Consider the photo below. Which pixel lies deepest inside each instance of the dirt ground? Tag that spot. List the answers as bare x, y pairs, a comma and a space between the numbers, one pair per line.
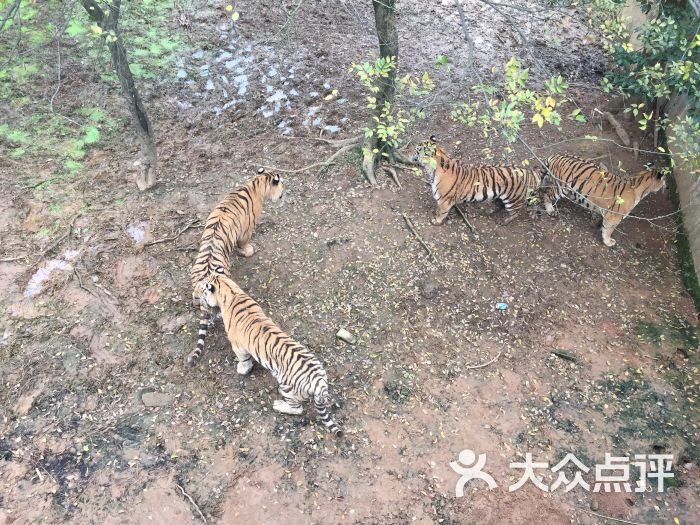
103, 423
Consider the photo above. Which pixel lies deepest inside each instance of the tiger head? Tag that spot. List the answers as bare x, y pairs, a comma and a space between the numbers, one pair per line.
426, 151
274, 185
209, 288
653, 179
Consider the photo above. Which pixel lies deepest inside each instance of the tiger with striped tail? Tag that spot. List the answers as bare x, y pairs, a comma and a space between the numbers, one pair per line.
586, 183
453, 182
229, 227
255, 337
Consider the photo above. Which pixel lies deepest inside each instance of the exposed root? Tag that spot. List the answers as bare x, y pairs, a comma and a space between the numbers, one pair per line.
392, 171
329, 161
192, 224
352, 141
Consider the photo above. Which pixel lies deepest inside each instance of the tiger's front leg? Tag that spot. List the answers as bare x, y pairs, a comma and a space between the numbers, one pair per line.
443, 209
291, 404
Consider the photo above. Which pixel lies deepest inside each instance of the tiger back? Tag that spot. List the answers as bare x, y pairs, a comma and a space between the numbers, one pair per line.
229, 226
254, 336
585, 183
454, 182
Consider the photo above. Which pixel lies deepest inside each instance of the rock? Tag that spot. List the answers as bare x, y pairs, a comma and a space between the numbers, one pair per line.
346, 336
156, 399
594, 505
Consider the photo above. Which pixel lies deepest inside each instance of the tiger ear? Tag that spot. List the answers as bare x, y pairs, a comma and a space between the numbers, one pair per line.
261, 170
219, 270
276, 179
433, 138
210, 288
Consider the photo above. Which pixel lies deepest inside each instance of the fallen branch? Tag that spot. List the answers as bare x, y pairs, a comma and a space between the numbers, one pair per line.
611, 518
176, 236
472, 367
420, 239
624, 137
322, 164
464, 218
193, 502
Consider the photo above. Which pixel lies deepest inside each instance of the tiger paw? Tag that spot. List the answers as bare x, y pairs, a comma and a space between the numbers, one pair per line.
550, 209
609, 242
436, 222
246, 251
244, 367
283, 407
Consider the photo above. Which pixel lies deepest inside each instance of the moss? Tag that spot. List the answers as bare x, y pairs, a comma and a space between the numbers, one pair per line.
685, 257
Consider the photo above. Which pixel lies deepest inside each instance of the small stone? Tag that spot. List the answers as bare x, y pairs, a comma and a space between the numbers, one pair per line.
594, 505
156, 399
346, 336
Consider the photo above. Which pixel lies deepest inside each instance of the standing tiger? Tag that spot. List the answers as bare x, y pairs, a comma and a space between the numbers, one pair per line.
254, 336
229, 226
454, 182
611, 195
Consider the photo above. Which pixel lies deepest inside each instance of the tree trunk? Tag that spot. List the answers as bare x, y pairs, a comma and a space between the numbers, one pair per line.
109, 23
385, 21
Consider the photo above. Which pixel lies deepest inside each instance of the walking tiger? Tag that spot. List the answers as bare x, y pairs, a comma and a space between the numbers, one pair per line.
254, 336
229, 226
611, 195
454, 182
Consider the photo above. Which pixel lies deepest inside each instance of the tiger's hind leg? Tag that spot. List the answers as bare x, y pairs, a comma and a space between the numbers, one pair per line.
550, 197
245, 361
513, 208
205, 320
245, 248
610, 222
291, 404
321, 403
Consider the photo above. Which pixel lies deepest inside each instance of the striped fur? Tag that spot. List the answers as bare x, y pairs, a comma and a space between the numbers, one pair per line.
254, 336
229, 226
585, 183
454, 182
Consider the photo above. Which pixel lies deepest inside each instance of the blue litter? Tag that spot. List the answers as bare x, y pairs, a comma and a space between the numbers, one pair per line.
501, 306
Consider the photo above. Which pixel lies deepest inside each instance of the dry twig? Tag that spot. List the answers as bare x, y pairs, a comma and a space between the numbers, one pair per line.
611, 518
487, 363
420, 239
464, 218
192, 501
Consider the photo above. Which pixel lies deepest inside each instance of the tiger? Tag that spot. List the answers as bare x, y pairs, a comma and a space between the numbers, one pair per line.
255, 337
230, 225
586, 183
453, 182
